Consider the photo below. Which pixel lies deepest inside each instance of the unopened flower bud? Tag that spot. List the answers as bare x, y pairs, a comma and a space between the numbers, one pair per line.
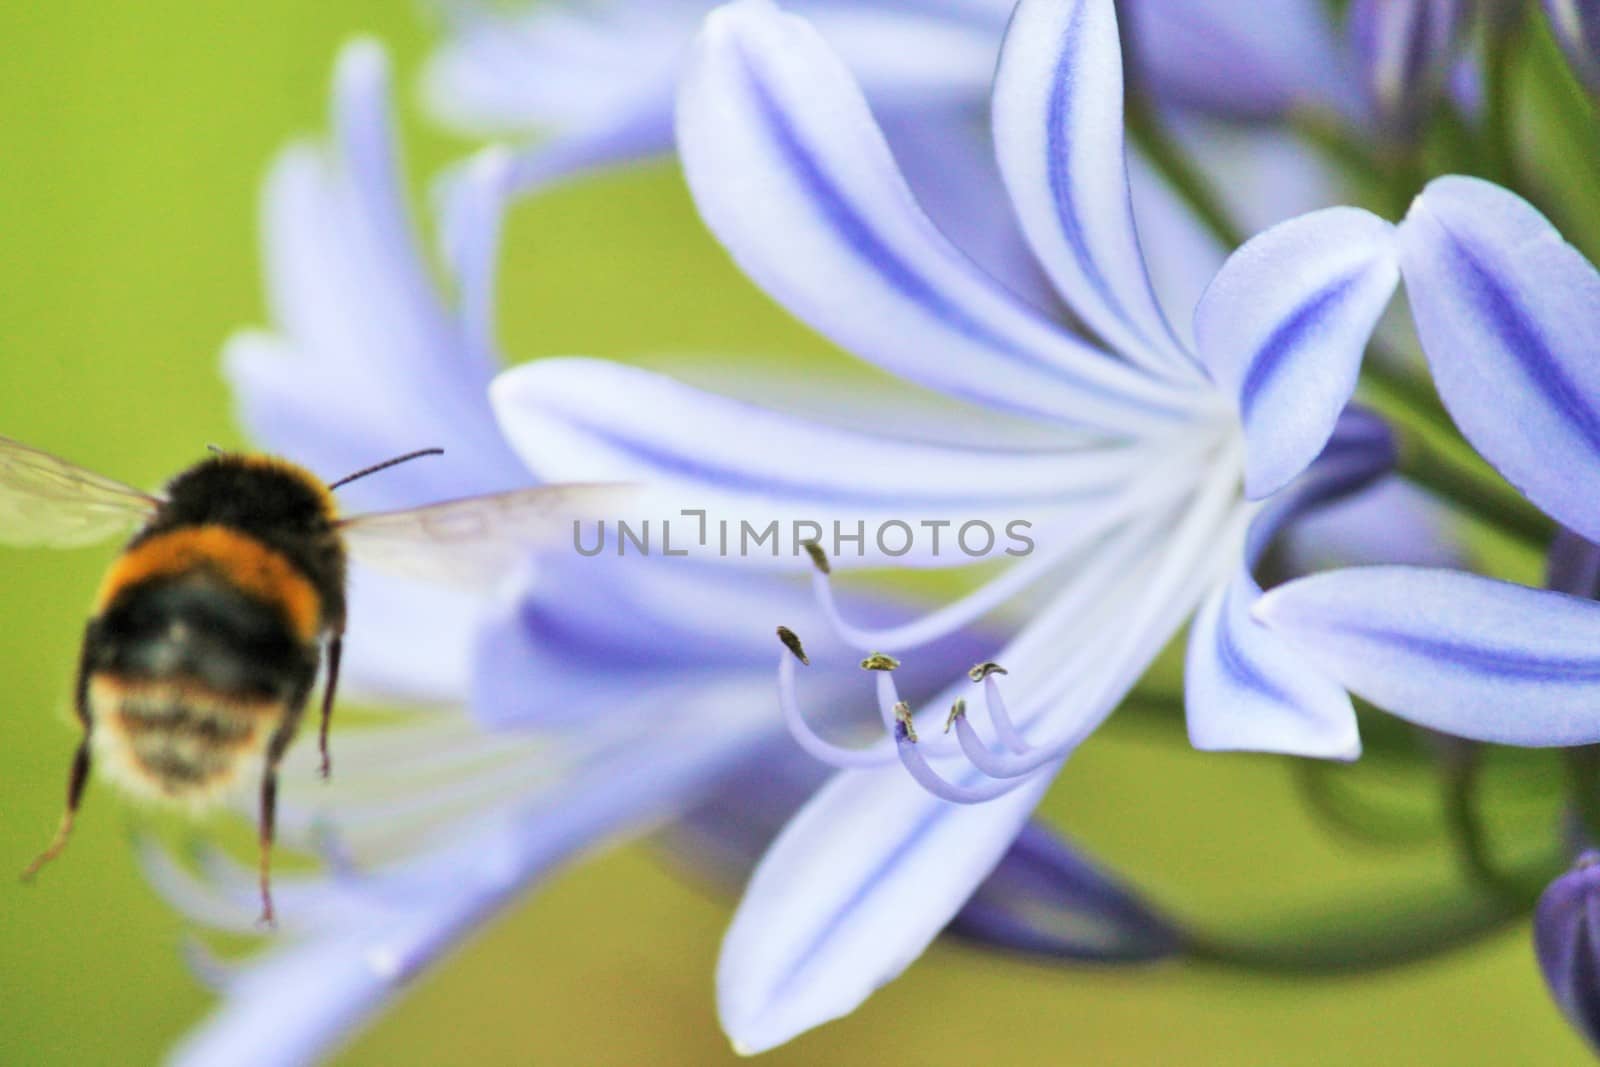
1566, 936
1404, 50
1576, 26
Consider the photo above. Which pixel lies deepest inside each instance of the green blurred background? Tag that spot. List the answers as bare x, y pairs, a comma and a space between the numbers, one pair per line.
135, 137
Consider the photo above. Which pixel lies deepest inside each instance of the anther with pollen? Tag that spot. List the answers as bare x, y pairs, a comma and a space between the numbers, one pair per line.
819, 558
903, 723
983, 670
803, 734
792, 642
877, 661
958, 710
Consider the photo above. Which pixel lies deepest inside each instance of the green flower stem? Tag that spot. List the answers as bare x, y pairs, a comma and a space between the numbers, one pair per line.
1406, 394
1375, 934
1460, 779
1583, 779
1499, 120
1344, 812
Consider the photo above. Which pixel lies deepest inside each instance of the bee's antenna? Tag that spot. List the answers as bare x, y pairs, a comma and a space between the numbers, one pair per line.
386, 464
216, 450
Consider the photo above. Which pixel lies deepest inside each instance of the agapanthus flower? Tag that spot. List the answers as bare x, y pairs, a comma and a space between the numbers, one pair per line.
603, 696
1131, 471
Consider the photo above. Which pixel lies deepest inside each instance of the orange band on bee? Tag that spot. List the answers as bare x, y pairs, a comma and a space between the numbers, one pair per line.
238, 558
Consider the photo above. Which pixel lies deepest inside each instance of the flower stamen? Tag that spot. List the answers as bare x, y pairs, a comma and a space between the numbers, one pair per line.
809, 740
792, 643
917, 766
1009, 735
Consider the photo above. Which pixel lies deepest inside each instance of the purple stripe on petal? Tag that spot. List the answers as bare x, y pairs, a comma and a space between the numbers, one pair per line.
1505, 310
1271, 357
706, 469
1061, 176
1241, 670
1455, 652
1494, 664
1522, 338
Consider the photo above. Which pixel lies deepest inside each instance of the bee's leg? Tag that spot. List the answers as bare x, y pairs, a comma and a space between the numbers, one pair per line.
269, 814
75, 783
265, 829
268, 818
77, 778
269, 809
335, 648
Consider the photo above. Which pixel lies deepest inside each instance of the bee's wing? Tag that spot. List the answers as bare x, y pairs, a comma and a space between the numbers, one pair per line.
46, 501
479, 539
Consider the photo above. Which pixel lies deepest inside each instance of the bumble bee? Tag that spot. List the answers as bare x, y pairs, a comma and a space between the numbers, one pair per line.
207, 634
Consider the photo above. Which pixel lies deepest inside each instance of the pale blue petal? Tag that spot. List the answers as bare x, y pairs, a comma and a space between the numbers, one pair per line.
357, 316
580, 419
557, 68
1240, 61
947, 157
914, 57
568, 69
1057, 117
792, 174
588, 635
1046, 898
408, 641
470, 205
1455, 652
849, 895
1283, 327
1506, 311
1245, 688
